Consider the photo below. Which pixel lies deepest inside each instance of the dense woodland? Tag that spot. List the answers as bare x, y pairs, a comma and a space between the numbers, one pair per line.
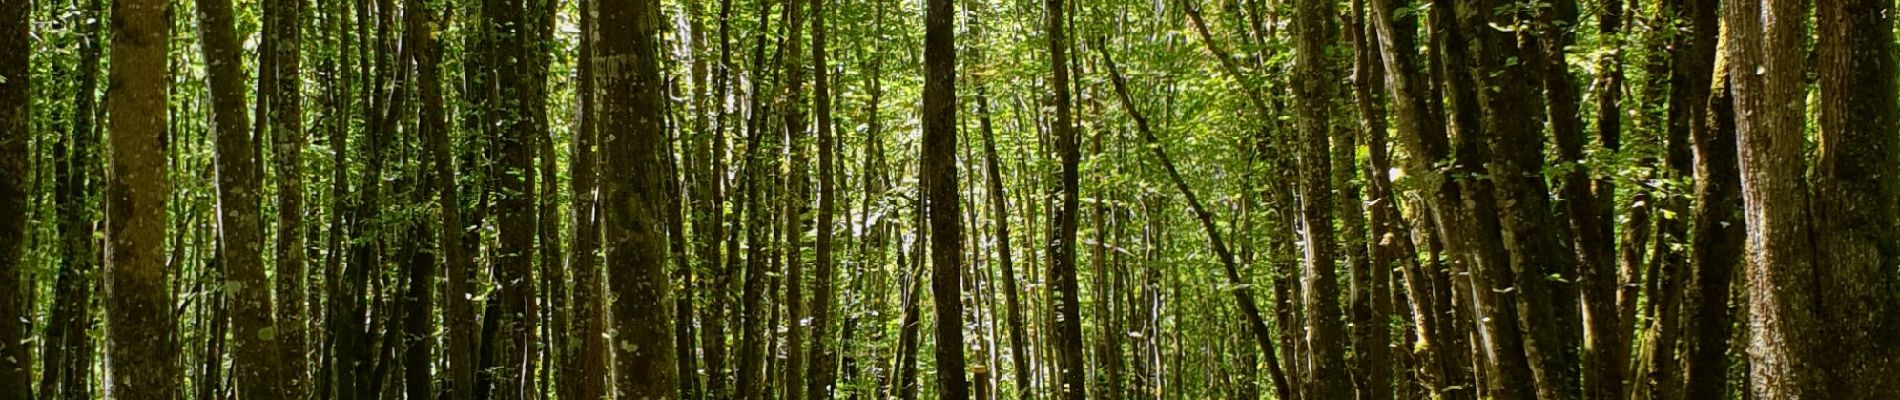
949, 199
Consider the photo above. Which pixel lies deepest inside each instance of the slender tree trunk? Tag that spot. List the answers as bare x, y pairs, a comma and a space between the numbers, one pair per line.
1325, 331
1018, 347
1604, 351
822, 352
584, 372
1370, 293
256, 359
939, 173
635, 242
1717, 249
1068, 321
288, 138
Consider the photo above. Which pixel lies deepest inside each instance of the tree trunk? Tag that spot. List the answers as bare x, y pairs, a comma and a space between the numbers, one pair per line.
1855, 218
1325, 331
285, 18
634, 239
1062, 269
939, 173
137, 311
16, 94
822, 353
584, 372
1765, 59
256, 359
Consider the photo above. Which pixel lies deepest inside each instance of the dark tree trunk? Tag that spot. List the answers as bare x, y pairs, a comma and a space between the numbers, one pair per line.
284, 21
583, 373
823, 355
1856, 221
1062, 268
943, 203
16, 94
635, 213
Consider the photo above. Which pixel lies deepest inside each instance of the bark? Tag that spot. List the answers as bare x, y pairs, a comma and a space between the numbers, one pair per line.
285, 113
635, 243
458, 309
1062, 268
256, 359
512, 39
16, 93
1765, 61
939, 173
1370, 293
1312, 93
137, 188
583, 373
793, 111
1857, 249
752, 340
418, 311
712, 189
823, 354
1717, 249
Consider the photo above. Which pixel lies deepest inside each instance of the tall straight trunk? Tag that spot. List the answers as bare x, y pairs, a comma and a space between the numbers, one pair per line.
711, 226
1787, 349
758, 170
635, 241
583, 372
256, 359
513, 41
1062, 269
943, 202
1325, 331
1717, 250
285, 19
457, 263
822, 352
1243, 296
792, 109
16, 93
418, 310
138, 316
1855, 217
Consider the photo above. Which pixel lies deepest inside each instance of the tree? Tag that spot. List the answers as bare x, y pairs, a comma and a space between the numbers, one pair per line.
1061, 251
137, 333
240, 225
943, 203
15, 115
634, 209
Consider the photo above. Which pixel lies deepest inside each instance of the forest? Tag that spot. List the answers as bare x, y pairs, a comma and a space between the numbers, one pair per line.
949, 199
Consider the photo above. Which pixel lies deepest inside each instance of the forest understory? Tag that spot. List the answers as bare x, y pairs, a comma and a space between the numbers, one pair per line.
949, 199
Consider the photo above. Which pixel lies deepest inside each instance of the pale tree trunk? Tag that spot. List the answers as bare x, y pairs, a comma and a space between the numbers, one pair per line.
256, 359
